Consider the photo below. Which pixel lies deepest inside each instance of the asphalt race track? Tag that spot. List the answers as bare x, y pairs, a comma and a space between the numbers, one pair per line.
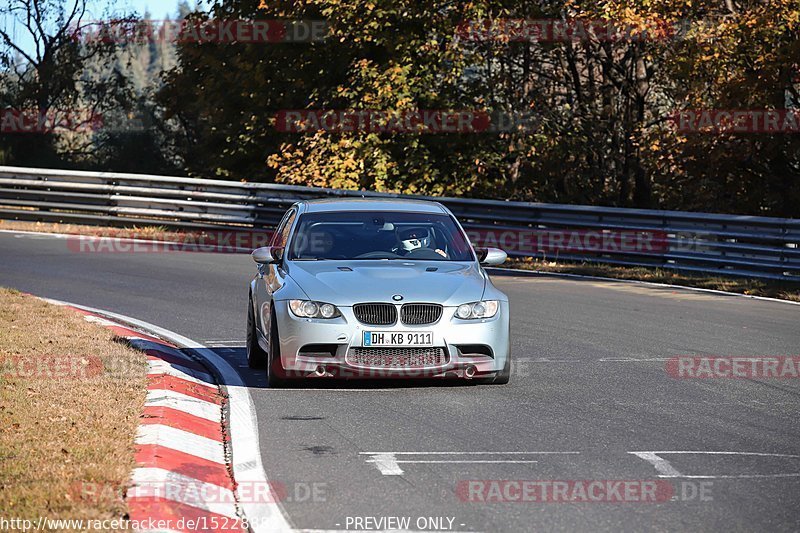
589, 387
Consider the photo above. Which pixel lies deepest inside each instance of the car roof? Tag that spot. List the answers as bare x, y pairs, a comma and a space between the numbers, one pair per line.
371, 204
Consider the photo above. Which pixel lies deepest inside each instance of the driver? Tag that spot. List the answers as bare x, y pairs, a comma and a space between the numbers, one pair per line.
414, 239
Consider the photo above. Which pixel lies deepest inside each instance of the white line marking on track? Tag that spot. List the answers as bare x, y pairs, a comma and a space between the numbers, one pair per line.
666, 470
601, 360
738, 476
698, 452
662, 466
388, 464
468, 453
631, 359
471, 453
497, 461
225, 344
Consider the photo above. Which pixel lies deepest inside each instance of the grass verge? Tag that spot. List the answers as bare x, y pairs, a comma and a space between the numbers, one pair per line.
71, 395
750, 286
159, 233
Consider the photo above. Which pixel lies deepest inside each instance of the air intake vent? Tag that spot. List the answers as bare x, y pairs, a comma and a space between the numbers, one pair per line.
418, 314
376, 314
402, 358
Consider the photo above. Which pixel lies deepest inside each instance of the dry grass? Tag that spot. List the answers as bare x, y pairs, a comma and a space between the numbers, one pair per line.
750, 286
219, 240
145, 232
67, 424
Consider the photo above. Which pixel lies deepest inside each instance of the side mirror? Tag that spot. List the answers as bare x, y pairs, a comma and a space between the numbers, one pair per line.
491, 256
267, 254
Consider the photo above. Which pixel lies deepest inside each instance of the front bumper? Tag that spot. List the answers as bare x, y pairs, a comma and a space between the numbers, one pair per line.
456, 337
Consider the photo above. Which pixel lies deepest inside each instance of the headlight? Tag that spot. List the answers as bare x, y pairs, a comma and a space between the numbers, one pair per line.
484, 309
309, 309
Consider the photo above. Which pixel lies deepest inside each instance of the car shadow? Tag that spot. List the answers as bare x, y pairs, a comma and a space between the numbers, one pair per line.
236, 356
174, 360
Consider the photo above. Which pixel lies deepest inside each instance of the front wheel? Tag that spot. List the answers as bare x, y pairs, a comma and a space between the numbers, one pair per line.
256, 356
501, 378
276, 374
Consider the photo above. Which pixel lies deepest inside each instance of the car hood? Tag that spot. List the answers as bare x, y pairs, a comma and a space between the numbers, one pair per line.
450, 284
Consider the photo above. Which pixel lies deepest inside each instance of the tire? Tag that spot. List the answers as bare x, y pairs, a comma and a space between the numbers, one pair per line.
256, 356
502, 377
276, 374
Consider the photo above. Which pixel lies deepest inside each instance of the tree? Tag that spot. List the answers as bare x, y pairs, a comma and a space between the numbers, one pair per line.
602, 103
46, 79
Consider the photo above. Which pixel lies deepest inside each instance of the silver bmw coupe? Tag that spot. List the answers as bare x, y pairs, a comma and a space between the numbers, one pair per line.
376, 289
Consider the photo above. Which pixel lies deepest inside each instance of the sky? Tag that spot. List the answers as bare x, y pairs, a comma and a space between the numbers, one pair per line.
102, 9
158, 8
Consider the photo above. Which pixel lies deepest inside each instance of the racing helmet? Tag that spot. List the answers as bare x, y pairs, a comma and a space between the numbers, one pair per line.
414, 239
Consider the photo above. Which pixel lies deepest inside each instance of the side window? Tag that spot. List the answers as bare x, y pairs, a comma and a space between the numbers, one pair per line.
279, 229
282, 233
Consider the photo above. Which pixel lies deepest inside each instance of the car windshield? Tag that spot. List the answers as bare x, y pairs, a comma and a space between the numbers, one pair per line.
372, 235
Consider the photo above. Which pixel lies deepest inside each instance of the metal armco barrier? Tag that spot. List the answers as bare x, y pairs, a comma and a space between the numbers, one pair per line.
760, 247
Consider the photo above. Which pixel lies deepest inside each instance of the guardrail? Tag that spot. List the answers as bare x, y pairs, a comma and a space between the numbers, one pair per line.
761, 247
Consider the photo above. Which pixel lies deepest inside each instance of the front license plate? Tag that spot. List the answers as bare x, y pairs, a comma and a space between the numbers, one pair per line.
398, 338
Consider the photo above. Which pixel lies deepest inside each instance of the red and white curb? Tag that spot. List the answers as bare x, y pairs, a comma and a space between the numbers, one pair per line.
196, 443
